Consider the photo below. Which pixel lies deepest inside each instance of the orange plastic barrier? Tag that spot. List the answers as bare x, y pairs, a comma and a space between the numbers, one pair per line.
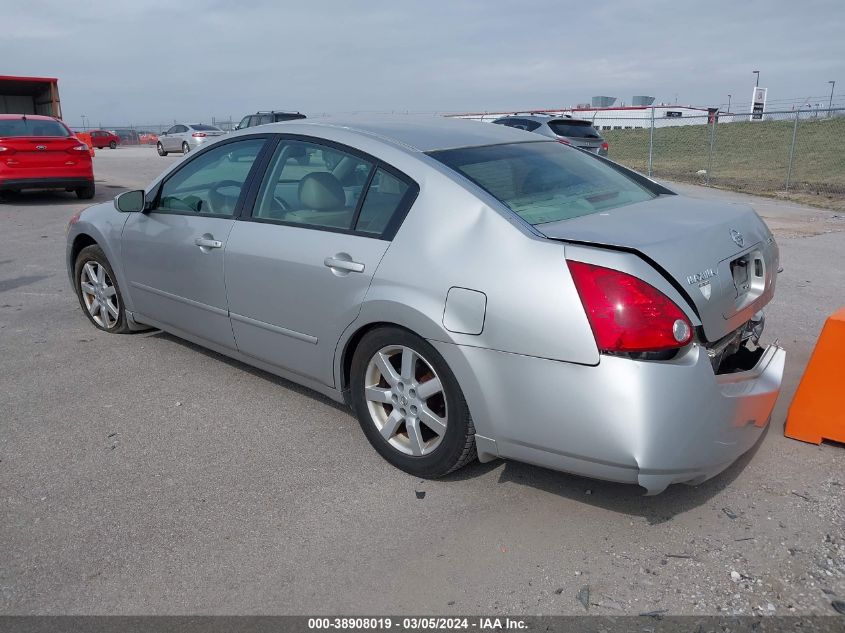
817, 411
86, 138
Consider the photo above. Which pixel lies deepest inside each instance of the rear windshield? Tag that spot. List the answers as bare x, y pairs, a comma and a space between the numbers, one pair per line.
206, 128
288, 116
32, 127
544, 181
574, 129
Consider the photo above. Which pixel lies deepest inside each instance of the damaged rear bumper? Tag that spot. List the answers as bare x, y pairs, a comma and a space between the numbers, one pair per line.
653, 423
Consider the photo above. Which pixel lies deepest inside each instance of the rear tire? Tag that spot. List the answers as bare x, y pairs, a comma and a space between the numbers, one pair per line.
86, 193
411, 408
112, 145
185, 148
100, 296
160, 149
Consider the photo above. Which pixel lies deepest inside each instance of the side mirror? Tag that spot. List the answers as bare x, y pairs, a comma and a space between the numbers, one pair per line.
130, 201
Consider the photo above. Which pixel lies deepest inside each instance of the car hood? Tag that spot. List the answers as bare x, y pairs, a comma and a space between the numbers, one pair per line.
720, 256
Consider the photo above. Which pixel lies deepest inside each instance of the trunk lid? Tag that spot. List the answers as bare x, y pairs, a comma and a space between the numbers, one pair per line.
40, 151
720, 256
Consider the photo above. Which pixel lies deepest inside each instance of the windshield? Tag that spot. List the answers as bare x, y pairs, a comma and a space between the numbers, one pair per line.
32, 127
544, 181
574, 129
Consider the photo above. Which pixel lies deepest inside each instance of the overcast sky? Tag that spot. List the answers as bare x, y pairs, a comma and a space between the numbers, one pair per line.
137, 62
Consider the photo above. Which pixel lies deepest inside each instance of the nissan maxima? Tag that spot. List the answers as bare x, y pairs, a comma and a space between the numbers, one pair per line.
469, 290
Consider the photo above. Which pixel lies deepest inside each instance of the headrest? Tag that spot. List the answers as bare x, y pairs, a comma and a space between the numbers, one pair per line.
321, 191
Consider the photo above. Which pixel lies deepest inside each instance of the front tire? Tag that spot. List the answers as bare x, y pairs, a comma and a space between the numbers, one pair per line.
85, 193
97, 290
410, 405
160, 149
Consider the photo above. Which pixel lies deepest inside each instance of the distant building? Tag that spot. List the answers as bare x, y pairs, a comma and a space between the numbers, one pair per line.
614, 118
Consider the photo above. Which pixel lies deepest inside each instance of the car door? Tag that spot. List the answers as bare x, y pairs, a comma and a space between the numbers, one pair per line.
173, 253
298, 267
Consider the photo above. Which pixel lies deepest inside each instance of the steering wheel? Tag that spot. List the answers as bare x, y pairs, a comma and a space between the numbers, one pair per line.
216, 199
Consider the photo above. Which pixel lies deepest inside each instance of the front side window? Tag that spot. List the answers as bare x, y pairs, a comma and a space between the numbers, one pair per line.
312, 186
211, 184
544, 181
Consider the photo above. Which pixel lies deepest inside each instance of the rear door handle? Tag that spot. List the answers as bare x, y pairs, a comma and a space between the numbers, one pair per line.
204, 242
343, 264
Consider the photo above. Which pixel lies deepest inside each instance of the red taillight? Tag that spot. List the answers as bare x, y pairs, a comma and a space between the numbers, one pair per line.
82, 147
199, 134
605, 146
6, 151
627, 314
564, 141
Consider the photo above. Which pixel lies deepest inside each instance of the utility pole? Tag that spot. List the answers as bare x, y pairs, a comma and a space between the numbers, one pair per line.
729, 104
757, 82
830, 103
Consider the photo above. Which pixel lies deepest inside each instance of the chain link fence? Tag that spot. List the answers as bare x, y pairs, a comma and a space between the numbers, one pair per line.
798, 154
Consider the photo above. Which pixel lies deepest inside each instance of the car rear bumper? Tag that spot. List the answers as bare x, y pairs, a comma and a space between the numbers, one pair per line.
44, 183
650, 423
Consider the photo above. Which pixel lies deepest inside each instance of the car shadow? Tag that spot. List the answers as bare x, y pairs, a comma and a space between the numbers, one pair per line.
254, 371
103, 193
627, 499
18, 282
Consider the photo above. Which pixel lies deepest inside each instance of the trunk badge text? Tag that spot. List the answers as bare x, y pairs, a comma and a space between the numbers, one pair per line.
736, 236
702, 279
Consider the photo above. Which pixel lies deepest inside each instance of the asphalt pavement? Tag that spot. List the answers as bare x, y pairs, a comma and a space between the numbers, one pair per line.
140, 474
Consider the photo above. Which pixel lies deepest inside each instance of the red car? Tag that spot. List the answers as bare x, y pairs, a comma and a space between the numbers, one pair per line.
40, 152
103, 138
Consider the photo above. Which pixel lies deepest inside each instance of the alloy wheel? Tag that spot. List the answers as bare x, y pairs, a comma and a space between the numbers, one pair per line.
99, 295
406, 400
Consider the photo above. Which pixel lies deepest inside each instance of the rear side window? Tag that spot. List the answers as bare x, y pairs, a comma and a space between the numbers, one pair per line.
544, 181
312, 186
574, 129
384, 197
32, 127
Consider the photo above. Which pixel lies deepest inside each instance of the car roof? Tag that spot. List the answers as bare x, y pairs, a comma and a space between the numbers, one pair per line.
420, 133
35, 117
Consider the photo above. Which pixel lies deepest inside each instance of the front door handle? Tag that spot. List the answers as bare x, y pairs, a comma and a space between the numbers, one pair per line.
344, 264
205, 242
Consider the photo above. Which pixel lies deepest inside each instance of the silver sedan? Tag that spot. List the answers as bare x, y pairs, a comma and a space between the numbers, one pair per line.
470, 290
184, 138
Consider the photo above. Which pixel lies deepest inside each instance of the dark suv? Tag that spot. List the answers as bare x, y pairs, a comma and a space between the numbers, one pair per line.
263, 118
575, 132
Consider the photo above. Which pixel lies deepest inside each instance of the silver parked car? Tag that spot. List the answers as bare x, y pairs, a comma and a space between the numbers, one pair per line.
565, 129
184, 138
468, 289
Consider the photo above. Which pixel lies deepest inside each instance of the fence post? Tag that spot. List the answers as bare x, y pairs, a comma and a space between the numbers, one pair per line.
792, 151
712, 143
651, 142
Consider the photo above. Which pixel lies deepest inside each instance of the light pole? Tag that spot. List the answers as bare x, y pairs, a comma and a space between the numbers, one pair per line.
84, 127
830, 103
757, 81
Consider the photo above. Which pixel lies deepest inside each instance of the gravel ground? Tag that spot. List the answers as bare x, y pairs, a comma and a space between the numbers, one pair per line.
141, 474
